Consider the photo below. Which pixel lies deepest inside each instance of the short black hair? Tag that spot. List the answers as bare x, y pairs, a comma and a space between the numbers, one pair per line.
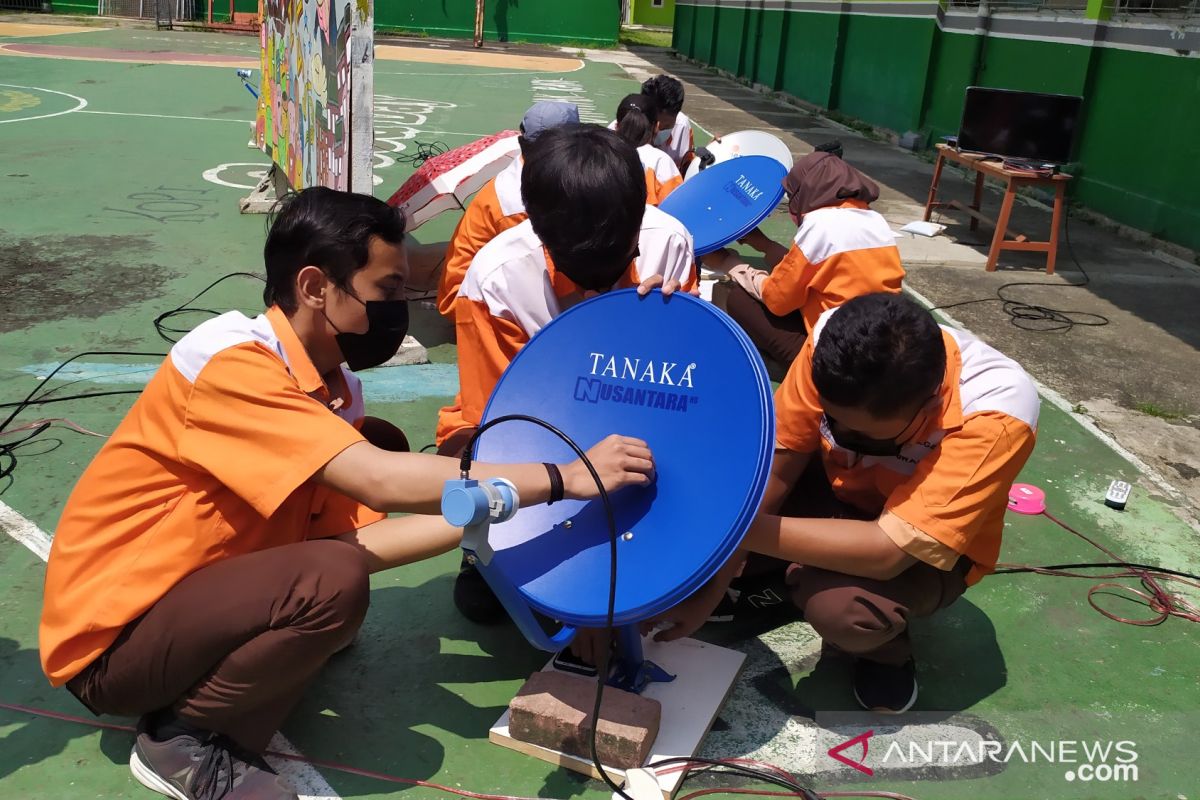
879, 352
666, 91
636, 117
327, 229
585, 193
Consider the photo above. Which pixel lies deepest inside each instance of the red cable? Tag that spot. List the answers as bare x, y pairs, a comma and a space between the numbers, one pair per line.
317, 762
1159, 600
382, 776
763, 793
48, 422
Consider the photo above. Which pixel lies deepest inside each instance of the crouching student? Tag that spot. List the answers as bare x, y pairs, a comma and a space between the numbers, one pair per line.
589, 231
498, 205
637, 123
842, 250
675, 136
897, 443
215, 552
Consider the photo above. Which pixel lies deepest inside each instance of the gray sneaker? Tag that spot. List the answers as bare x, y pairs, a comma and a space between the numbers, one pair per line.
186, 763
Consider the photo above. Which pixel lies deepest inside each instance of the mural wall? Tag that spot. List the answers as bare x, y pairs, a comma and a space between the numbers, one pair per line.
304, 101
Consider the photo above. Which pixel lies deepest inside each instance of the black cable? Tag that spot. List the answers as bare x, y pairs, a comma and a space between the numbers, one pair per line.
415, 295
602, 669
41, 402
730, 768
8, 453
1038, 318
186, 308
1097, 565
8, 450
31, 398
424, 152
8, 459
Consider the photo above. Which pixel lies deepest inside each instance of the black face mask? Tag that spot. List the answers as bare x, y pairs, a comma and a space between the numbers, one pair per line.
387, 325
865, 445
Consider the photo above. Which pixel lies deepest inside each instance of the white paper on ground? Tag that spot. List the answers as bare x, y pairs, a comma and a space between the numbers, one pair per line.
922, 228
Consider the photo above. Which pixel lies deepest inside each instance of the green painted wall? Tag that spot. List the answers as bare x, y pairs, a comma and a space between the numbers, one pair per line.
770, 40
1034, 66
730, 44
953, 68
881, 75
220, 8
583, 21
810, 50
85, 8
645, 13
1140, 152
704, 33
682, 36
904, 73
588, 22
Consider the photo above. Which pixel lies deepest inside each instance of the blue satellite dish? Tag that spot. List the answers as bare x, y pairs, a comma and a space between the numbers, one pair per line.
674, 371
726, 201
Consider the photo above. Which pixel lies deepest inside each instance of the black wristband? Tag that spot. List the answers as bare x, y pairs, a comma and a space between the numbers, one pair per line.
557, 491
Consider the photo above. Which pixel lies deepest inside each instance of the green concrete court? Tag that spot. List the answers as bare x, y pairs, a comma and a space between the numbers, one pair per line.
107, 220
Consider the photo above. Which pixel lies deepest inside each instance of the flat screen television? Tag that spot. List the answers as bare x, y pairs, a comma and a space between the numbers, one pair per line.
1022, 125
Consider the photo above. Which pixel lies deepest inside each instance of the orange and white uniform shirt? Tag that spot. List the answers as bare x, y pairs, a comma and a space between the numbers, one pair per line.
214, 460
496, 208
682, 144
662, 176
839, 253
512, 291
945, 494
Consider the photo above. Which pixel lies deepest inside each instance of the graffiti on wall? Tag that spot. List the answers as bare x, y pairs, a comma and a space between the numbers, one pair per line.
304, 103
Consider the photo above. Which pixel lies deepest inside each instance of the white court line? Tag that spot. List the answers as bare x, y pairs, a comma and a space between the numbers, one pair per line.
484, 74
250, 121
24, 531
166, 116
81, 103
303, 776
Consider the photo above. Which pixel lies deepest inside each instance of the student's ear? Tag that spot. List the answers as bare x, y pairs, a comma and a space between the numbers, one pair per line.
311, 285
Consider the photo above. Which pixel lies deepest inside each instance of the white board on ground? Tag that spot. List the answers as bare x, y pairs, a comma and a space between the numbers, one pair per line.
705, 673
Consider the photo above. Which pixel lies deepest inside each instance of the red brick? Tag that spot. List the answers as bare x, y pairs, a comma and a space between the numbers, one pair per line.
554, 710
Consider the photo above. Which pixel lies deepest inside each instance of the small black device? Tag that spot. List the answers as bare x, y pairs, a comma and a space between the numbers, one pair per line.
566, 661
1031, 126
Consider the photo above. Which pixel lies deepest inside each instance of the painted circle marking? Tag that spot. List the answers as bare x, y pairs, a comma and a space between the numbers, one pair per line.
80, 103
255, 175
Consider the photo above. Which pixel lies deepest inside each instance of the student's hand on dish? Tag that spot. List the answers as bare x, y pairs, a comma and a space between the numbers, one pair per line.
589, 644
655, 281
619, 460
687, 617
758, 240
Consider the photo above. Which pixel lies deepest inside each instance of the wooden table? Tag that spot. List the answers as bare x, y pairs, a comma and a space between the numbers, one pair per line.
985, 166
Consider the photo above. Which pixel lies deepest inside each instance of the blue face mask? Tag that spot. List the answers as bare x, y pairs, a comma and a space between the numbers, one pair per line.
661, 138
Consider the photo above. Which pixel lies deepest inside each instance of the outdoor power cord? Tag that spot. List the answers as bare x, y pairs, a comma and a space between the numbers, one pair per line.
1039, 318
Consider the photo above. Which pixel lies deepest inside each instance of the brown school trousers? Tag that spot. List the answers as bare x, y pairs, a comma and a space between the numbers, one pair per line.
777, 338
863, 617
232, 647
